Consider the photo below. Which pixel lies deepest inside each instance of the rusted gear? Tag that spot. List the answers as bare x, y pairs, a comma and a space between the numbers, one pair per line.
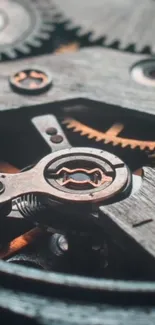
110, 136
127, 22
24, 25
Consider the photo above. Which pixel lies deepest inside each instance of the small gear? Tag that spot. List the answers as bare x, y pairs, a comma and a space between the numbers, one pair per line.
24, 25
110, 136
123, 23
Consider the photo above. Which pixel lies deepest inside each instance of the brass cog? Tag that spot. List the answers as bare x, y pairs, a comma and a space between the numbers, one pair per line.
110, 136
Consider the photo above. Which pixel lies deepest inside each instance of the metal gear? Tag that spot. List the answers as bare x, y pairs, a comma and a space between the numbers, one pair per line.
123, 23
110, 136
24, 25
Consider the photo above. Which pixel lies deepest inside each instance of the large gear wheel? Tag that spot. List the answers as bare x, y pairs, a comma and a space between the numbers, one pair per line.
110, 136
125, 23
24, 25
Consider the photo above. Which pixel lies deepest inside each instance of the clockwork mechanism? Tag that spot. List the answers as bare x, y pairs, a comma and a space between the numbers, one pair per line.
82, 156
102, 127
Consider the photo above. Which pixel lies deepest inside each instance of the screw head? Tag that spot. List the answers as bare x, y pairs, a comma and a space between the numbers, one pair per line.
56, 138
51, 131
30, 81
62, 243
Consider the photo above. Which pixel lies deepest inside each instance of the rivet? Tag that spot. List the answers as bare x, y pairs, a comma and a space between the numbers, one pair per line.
51, 131
56, 138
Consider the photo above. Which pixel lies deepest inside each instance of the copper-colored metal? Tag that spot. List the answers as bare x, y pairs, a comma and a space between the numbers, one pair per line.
72, 47
115, 129
96, 171
25, 239
20, 242
35, 181
108, 137
7, 168
31, 75
31, 81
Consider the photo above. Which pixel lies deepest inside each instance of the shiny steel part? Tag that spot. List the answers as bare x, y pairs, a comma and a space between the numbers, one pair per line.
122, 21
48, 127
24, 25
30, 205
110, 136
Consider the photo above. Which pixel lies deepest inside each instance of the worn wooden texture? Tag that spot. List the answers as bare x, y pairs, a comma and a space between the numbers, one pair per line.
97, 74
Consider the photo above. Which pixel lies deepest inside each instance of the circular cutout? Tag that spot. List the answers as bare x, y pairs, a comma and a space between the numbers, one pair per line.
144, 72
86, 175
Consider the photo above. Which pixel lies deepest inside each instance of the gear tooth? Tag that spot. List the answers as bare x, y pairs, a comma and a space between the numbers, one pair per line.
47, 28
90, 136
110, 17
69, 25
126, 144
70, 126
44, 36
152, 147
59, 18
91, 37
141, 147
24, 49
107, 141
76, 129
98, 139
115, 144
11, 53
35, 43
83, 133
